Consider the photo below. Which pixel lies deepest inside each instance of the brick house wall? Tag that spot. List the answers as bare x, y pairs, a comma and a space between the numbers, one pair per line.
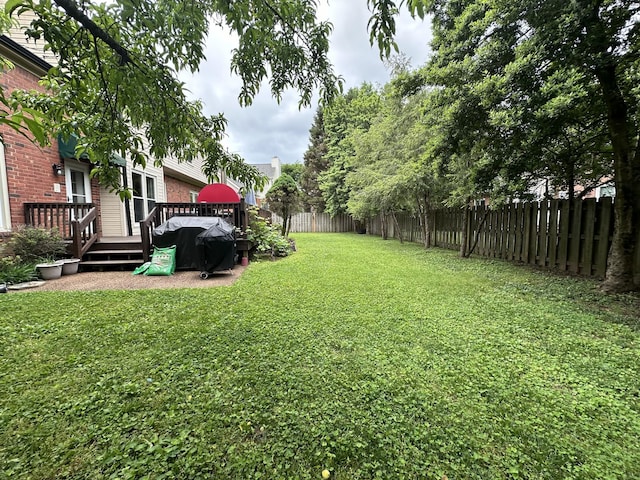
30, 176
179, 190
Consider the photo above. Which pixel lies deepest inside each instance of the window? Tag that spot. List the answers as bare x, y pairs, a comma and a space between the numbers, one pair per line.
607, 191
78, 191
193, 196
144, 195
77, 182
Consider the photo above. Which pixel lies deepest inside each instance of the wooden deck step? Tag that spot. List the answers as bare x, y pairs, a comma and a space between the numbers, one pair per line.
134, 251
113, 255
104, 263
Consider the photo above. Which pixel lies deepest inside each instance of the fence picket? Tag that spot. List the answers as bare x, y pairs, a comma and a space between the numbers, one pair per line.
589, 219
563, 241
574, 248
604, 231
553, 233
543, 234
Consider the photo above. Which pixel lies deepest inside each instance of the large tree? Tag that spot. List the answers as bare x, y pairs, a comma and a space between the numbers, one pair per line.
390, 174
496, 57
315, 162
348, 115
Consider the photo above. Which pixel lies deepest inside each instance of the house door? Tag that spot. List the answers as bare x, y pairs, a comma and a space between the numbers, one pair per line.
77, 182
144, 195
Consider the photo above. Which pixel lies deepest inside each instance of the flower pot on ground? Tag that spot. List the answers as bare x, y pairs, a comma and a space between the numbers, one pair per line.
50, 270
70, 266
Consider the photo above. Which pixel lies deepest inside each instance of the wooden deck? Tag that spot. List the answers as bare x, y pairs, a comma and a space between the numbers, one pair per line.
78, 225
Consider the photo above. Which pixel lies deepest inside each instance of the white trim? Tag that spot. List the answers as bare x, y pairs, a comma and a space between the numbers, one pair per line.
5, 209
74, 165
144, 194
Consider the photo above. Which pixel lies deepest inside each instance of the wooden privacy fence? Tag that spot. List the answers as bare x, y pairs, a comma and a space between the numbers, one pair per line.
572, 235
317, 222
568, 235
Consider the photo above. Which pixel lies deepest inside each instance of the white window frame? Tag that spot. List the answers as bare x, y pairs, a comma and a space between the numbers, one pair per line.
5, 208
144, 197
73, 165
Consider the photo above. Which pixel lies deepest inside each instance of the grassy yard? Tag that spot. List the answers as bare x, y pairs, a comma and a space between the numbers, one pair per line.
367, 358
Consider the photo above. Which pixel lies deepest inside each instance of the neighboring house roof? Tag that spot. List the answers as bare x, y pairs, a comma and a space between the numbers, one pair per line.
271, 170
265, 169
15, 52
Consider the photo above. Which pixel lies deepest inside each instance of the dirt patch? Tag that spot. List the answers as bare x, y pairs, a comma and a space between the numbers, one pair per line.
86, 281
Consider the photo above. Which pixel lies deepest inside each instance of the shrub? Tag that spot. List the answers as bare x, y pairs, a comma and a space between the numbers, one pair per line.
14, 270
33, 244
265, 237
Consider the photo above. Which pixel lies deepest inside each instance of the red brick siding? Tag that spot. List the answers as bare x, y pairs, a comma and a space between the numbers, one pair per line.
30, 176
178, 190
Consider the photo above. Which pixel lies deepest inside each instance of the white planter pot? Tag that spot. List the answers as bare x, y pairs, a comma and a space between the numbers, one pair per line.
50, 271
70, 266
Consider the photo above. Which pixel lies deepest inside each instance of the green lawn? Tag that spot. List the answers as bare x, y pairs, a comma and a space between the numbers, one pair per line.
368, 358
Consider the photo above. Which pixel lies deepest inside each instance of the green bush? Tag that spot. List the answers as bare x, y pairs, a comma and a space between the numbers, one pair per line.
33, 244
14, 270
266, 238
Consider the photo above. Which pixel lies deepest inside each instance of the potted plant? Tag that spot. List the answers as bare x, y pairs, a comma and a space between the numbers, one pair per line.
44, 247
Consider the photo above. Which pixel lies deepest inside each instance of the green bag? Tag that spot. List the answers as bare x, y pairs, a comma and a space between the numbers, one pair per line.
142, 268
163, 261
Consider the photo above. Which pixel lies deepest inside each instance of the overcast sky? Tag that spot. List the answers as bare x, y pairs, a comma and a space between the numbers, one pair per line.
266, 128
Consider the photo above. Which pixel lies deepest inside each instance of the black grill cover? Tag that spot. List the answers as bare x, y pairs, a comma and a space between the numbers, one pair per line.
217, 248
182, 232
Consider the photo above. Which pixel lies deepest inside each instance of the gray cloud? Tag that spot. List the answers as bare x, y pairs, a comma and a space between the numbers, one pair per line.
267, 128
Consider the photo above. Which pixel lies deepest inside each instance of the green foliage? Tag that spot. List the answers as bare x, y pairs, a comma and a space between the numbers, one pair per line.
348, 115
294, 170
315, 162
14, 270
266, 238
119, 89
367, 358
284, 198
32, 244
541, 89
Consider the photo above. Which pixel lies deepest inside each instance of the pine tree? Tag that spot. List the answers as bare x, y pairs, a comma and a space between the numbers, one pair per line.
315, 162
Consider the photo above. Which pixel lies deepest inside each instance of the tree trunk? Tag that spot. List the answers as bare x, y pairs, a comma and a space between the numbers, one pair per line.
466, 229
626, 235
285, 217
571, 181
397, 226
425, 221
478, 228
383, 225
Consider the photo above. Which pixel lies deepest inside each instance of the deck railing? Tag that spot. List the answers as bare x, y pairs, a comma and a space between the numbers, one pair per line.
76, 222
235, 213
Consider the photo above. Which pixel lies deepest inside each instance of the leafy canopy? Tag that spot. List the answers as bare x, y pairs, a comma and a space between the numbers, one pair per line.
116, 83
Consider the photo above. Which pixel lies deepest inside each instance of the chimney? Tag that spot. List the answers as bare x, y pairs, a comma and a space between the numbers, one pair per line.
277, 169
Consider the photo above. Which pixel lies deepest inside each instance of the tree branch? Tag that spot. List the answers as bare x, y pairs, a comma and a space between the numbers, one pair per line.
74, 12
